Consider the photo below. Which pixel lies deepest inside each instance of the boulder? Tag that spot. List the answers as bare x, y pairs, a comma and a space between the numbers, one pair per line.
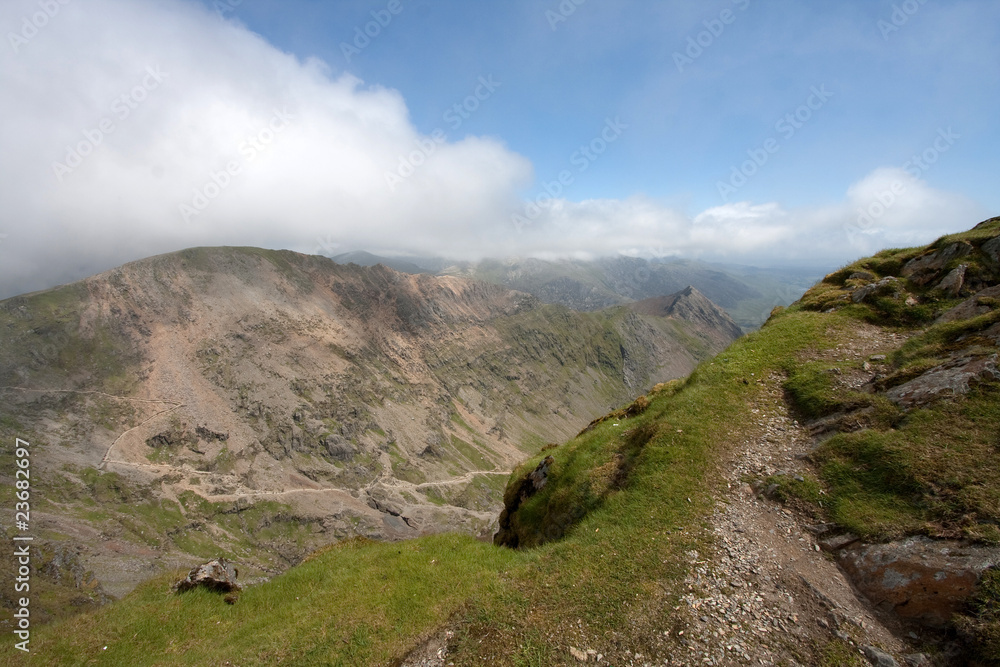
953, 378
953, 282
217, 575
919, 579
924, 269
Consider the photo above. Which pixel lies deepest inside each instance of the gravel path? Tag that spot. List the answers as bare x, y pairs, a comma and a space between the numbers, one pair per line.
769, 594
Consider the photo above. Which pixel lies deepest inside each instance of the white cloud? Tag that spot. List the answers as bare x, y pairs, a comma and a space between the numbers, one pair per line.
151, 107
138, 127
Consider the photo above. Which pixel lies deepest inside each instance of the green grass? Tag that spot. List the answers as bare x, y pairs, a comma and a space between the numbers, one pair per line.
394, 592
937, 473
980, 625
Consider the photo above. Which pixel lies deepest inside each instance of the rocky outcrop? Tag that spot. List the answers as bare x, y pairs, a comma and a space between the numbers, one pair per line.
919, 579
972, 307
884, 287
954, 378
516, 494
924, 269
952, 283
216, 575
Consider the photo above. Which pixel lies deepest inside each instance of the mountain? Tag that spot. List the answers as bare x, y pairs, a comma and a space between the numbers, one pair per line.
362, 258
690, 305
263, 404
747, 294
823, 492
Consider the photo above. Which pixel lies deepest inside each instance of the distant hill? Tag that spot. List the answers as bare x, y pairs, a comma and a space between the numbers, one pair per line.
748, 294
362, 258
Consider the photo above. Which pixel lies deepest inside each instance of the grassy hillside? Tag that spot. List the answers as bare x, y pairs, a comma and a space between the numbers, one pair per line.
629, 500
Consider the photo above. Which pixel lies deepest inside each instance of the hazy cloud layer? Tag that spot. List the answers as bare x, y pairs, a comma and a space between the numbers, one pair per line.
133, 128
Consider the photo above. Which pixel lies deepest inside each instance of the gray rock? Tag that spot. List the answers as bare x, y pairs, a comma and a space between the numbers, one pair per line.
992, 249
971, 306
953, 282
217, 575
878, 657
885, 286
917, 660
953, 378
924, 269
339, 448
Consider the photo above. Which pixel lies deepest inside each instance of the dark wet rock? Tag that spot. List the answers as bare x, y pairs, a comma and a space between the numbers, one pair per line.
953, 378
919, 579
217, 575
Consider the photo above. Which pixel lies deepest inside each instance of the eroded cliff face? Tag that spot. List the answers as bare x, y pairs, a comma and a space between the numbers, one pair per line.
265, 403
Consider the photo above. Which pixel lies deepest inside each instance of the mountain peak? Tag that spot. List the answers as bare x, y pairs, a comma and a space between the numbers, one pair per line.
692, 306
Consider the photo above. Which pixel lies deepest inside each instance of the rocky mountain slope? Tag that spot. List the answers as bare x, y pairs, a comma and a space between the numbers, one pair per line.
823, 492
262, 404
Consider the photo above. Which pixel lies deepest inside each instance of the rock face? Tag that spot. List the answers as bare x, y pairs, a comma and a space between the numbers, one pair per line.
972, 307
922, 270
216, 575
951, 379
920, 579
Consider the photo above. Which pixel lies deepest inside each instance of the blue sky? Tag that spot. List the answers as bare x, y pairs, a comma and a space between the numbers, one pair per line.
767, 133
893, 84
